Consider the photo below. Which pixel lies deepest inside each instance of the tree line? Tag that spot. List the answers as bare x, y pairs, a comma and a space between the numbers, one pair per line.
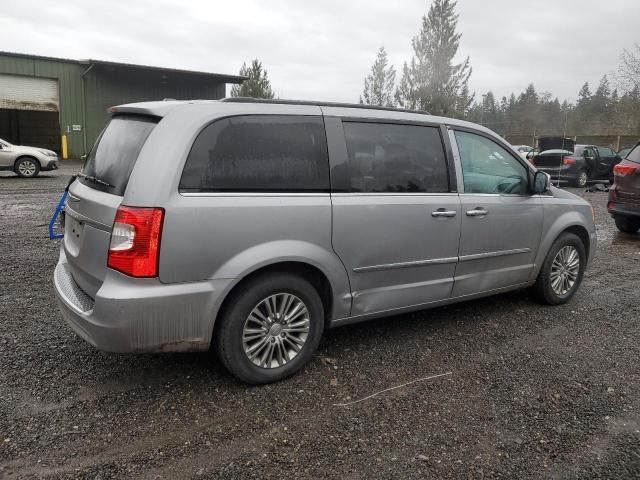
432, 82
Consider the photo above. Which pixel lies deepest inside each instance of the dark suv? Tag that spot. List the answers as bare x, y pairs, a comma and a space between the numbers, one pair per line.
585, 163
624, 195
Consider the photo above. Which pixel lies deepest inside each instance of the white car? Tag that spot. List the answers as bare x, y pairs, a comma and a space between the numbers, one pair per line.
26, 161
523, 150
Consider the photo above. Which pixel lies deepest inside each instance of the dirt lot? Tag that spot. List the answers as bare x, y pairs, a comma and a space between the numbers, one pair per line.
535, 391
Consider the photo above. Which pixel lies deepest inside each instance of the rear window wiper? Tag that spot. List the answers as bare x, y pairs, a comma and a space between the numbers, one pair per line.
91, 178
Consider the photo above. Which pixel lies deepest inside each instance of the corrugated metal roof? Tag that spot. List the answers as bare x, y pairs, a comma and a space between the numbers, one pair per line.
218, 76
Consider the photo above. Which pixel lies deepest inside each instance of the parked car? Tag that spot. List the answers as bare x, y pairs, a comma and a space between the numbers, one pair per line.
624, 195
26, 161
251, 226
523, 150
584, 164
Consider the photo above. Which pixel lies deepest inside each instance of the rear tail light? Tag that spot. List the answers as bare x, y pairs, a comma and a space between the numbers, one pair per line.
135, 241
624, 170
568, 160
611, 205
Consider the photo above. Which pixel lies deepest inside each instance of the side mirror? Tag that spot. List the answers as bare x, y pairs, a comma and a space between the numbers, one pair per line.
541, 182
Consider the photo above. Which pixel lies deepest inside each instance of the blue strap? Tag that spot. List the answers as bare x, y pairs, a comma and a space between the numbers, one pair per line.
59, 208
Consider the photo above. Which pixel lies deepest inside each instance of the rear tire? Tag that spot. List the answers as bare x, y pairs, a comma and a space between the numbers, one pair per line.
627, 224
27, 168
559, 264
582, 179
273, 346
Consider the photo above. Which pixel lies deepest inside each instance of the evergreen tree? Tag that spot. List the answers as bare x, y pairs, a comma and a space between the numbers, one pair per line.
433, 82
379, 84
463, 103
257, 84
584, 95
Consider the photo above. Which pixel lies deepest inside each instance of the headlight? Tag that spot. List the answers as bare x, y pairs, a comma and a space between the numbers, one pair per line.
48, 153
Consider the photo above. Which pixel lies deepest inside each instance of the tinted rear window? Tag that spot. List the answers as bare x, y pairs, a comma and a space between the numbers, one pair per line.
115, 152
395, 158
634, 154
259, 153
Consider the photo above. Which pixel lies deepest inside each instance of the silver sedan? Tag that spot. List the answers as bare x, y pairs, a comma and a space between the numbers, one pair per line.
26, 161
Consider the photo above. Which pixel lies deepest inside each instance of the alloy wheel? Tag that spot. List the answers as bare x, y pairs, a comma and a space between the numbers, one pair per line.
564, 270
27, 168
582, 179
276, 330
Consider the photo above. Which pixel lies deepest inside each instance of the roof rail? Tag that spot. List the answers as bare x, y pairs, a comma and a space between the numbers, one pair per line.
281, 101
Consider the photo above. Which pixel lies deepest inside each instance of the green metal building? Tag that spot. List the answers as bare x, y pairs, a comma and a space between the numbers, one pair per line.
62, 104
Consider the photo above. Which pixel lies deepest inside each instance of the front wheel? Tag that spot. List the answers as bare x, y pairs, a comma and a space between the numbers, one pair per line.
562, 270
27, 168
627, 224
582, 179
270, 328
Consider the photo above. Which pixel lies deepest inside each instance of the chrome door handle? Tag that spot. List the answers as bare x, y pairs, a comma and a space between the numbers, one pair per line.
443, 213
478, 212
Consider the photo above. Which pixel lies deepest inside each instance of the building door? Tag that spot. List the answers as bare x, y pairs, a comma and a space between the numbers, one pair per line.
29, 109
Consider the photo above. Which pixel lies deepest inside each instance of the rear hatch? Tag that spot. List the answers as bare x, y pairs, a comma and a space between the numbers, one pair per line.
550, 158
627, 177
96, 195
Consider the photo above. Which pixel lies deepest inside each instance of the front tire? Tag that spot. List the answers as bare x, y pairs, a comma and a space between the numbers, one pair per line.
27, 168
562, 270
582, 179
627, 224
270, 328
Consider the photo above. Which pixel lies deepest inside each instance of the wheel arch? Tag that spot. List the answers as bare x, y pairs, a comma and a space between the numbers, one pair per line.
309, 272
581, 232
23, 156
570, 222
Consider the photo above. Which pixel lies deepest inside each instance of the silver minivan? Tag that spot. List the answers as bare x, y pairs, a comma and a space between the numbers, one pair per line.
252, 226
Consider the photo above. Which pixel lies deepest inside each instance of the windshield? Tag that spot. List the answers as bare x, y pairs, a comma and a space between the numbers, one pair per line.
111, 160
634, 154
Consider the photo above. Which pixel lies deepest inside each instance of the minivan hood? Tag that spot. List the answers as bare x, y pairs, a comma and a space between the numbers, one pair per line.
560, 193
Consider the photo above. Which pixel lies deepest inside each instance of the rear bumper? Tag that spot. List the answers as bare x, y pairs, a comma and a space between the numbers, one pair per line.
140, 315
624, 209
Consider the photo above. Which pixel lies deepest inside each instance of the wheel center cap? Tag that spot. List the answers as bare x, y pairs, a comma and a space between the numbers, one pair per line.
275, 330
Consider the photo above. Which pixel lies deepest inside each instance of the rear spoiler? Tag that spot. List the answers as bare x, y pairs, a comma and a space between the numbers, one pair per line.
154, 109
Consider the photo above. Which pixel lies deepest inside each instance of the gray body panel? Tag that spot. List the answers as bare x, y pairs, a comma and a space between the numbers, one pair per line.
497, 249
381, 253
396, 253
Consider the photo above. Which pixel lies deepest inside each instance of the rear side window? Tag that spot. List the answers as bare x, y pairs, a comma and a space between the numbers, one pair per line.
634, 154
112, 158
395, 158
606, 152
259, 153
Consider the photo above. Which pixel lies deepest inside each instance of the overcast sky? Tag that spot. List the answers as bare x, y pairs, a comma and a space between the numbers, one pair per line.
323, 49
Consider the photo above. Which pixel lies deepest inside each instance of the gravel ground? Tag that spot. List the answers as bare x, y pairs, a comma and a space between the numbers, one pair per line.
534, 391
